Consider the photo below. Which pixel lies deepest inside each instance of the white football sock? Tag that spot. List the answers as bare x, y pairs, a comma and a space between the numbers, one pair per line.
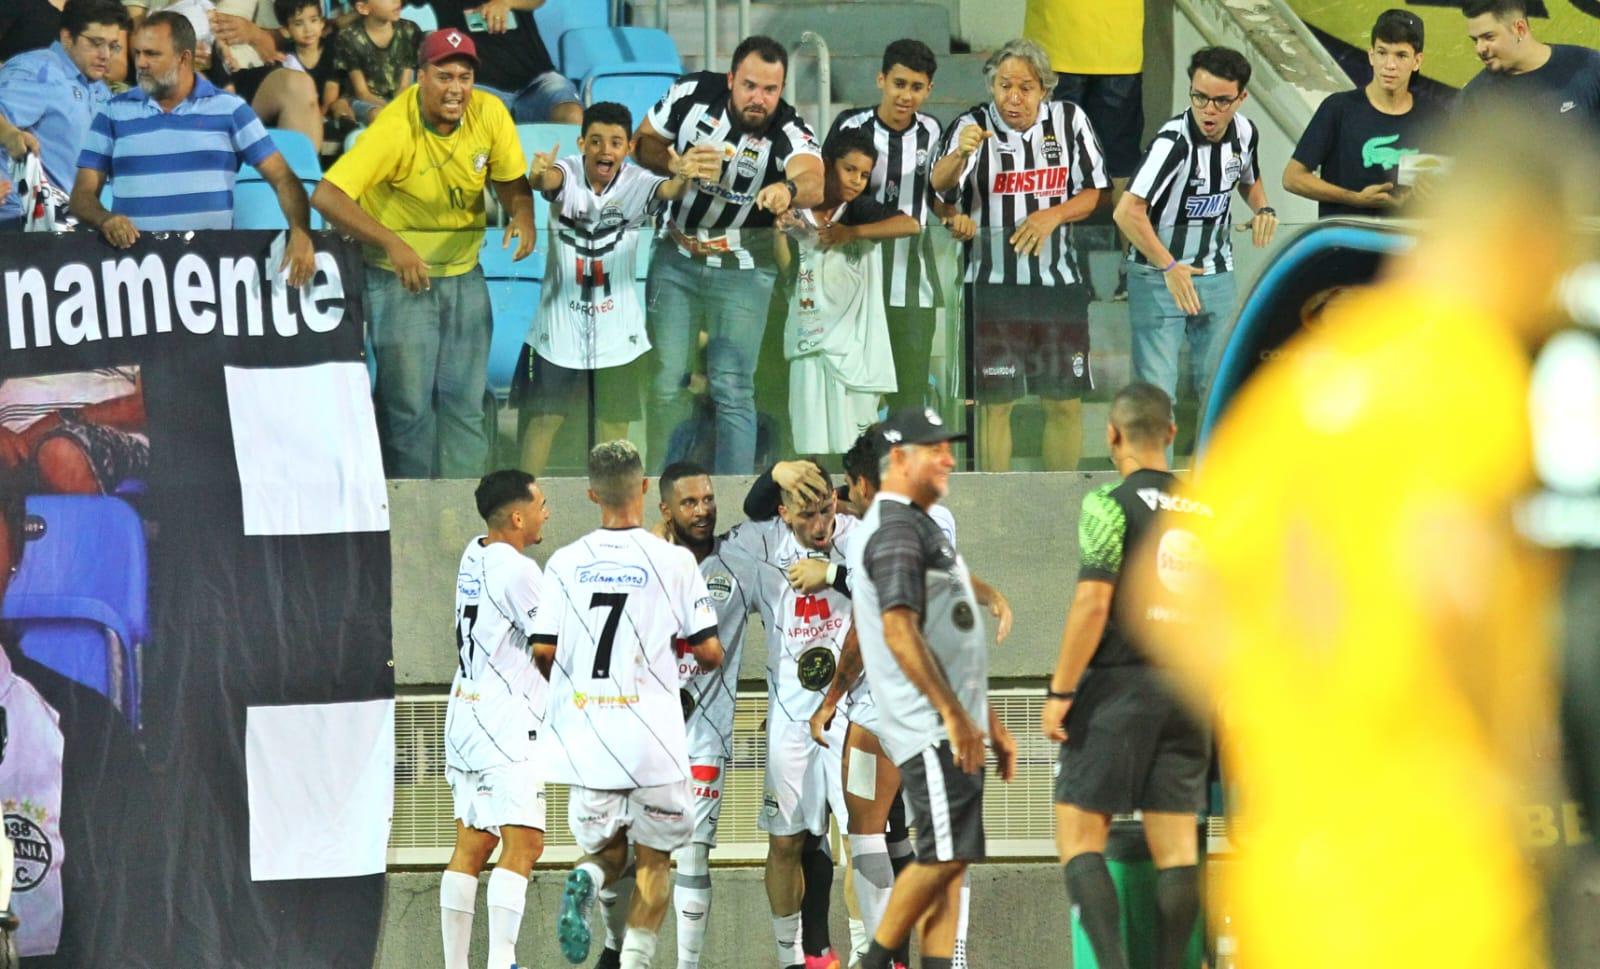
691, 896
638, 948
869, 856
614, 903
458, 897
786, 930
508, 894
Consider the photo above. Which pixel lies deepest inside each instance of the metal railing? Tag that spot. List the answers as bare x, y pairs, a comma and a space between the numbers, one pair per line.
824, 78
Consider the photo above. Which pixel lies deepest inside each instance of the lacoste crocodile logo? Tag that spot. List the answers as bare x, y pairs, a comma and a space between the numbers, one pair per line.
1376, 153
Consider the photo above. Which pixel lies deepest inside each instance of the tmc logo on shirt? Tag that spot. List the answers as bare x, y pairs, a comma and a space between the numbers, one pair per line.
1205, 206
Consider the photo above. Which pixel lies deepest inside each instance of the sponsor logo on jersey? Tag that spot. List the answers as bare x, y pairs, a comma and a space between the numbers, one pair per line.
581, 700
583, 308
1031, 181
815, 668
726, 194
613, 573
720, 586
704, 781
469, 585
1205, 206
1157, 500
33, 851
809, 608
1177, 559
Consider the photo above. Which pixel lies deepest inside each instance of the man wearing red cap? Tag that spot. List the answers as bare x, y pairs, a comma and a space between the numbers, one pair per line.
411, 190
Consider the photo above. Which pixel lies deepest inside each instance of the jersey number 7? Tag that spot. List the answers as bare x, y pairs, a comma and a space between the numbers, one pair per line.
616, 602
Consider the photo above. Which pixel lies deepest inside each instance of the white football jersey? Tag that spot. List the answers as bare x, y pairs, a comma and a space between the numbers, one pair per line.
614, 603
30, 795
804, 632
711, 694
498, 696
589, 314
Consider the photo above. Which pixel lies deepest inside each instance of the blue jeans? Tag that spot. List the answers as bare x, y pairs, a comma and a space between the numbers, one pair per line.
533, 104
432, 350
1160, 329
686, 296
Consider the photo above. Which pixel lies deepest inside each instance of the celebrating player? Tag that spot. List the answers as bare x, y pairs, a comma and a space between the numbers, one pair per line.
618, 599
496, 710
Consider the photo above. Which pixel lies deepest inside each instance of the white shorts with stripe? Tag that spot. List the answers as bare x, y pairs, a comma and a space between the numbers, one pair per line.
508, 794
660, 817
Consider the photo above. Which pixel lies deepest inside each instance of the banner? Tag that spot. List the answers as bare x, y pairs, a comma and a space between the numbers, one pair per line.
197, 763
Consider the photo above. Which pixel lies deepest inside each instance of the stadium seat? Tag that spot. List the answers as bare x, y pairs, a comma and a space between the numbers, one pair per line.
422, 15
555, 17
80, 600
299, 152
513, 299
635, 86
255, 205
587, 48
541, 138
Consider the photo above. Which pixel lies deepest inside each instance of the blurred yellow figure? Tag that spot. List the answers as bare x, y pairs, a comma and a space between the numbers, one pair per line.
1371, 628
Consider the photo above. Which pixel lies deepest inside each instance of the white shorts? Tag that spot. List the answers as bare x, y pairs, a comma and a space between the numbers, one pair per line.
660, 817
706, 777
508, 794
802, 778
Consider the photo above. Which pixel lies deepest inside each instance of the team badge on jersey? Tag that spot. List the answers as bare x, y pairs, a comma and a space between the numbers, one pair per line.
1078, 364
32, 849
922, 159
720, 586
749, 163
610, 218
1052, 150
1232, 167
815, 668
480, 161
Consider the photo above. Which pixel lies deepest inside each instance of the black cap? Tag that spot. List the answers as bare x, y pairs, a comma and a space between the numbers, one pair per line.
916, 425
1408, 24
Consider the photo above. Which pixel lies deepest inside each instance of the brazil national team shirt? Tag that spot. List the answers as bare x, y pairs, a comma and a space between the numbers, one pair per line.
1352, 144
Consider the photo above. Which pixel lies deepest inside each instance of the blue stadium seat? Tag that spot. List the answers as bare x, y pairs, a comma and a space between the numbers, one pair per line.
255, 205
588, 48
422, 15
299, 152
80, 601
555, 17
635, 86
541, 138
513, 299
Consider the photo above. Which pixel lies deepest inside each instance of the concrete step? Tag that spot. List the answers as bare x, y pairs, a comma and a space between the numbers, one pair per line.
850, 29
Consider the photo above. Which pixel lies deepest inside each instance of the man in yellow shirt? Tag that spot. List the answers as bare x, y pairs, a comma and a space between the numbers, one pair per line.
411, 191
1096, 48
1369, 624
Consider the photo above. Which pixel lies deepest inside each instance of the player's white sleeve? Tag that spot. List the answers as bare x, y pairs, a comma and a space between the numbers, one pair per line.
522, 597
695, 606
546, 622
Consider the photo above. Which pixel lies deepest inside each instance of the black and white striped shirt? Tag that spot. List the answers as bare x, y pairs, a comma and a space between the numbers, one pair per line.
695, 112
1017, 173
1189, 182
901, 179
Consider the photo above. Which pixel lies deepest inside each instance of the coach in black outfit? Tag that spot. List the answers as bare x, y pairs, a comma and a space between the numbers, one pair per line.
1126, 744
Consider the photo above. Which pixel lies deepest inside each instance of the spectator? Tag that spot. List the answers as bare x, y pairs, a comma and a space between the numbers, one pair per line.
837, 335
280, 96
48, 97
715, 276
1026, 168
173, 148
1097, 52
1553, 79
589, 331
516, 64
377, 56
411, 189
1357, 138
303, 28
908, 142
1180, 285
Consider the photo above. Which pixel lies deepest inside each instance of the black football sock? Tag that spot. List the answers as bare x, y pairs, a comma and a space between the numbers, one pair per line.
817, 864
1089, 887
1178, 902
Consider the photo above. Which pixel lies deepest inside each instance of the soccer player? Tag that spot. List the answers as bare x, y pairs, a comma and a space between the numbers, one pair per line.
590, 323
1368, 610
804, 634
617, 601
1558, 82
496, 710
908, 144
923, 645
1126, 743
1348, 158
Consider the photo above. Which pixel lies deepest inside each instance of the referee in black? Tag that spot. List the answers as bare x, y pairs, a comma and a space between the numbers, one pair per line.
1126, 743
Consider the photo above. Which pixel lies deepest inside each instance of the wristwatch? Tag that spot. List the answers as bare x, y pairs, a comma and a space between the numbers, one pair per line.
794, 190
1266, 210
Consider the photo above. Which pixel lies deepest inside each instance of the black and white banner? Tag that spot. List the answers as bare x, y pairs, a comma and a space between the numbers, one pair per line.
197, 762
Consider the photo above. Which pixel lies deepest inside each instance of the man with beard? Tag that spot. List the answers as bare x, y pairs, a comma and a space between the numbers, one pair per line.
1557, 81
174, 147
716, 276
37, 119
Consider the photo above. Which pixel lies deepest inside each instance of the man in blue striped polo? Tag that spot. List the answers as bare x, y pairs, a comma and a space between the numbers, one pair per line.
173, 147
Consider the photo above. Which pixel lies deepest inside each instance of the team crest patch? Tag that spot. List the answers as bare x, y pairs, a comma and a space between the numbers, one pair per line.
961, 615
922, 159
748, 163
33, 852
1052, 150
480, 161
1232, 167
610, 218
815, 668
1078, 364
720, 586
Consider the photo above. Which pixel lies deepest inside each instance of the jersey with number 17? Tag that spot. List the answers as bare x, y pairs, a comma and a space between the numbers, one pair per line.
497, 698
613, 604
